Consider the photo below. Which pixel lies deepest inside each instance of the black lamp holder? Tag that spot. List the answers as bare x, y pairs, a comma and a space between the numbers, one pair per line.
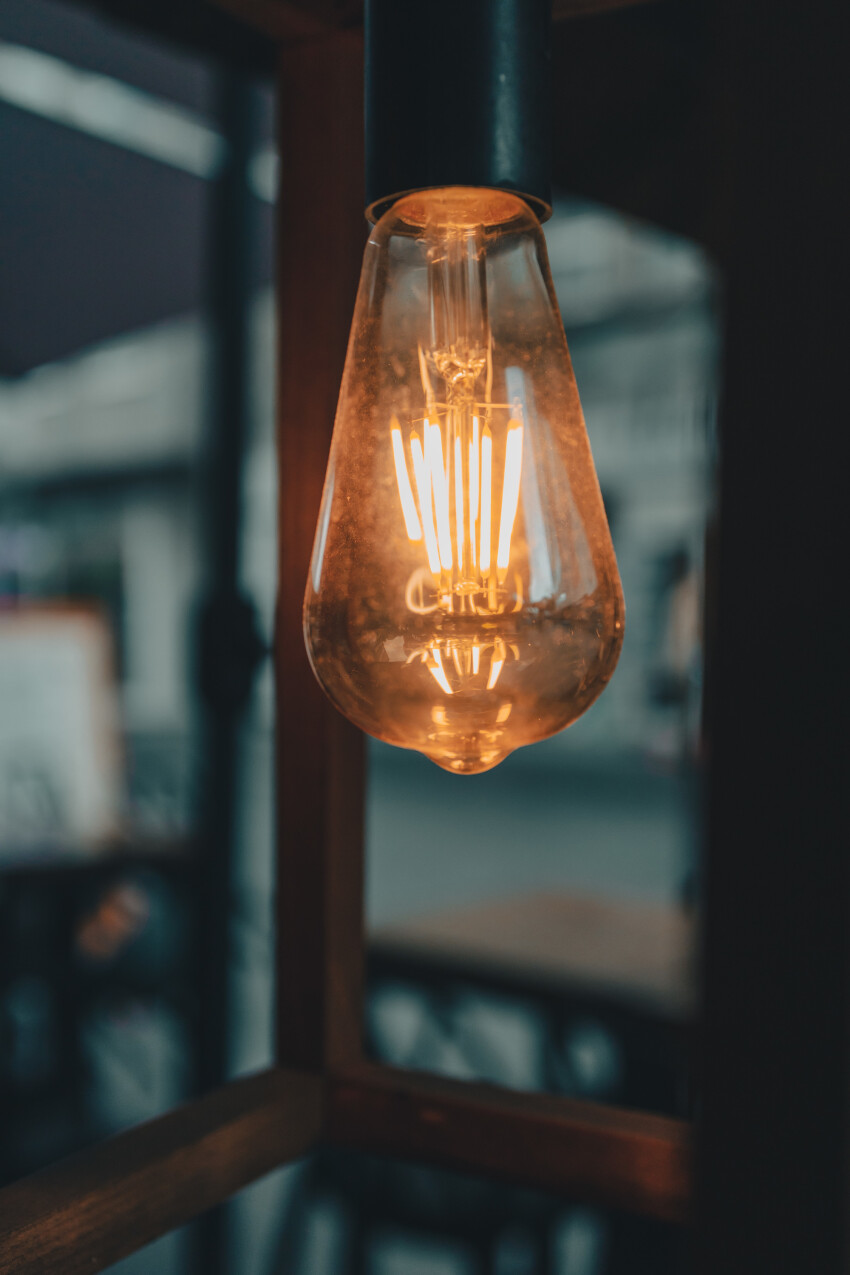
458, 93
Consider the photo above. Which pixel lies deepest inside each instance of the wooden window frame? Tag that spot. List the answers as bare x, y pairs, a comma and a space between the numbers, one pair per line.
91, 1210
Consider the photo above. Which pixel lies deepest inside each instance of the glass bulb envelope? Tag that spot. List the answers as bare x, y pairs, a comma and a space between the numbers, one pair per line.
463, 597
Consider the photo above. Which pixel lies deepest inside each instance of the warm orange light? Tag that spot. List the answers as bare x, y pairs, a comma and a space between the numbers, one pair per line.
463, 597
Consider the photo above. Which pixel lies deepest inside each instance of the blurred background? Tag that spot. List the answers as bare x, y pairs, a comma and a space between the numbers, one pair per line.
534, 926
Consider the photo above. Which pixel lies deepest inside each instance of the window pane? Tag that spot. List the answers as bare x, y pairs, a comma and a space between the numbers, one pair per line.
111, 683
533, 926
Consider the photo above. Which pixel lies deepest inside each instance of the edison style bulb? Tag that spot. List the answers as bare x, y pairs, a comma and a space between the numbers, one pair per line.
463, 597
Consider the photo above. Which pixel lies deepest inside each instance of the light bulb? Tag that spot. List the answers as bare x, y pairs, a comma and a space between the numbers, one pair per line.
463, 596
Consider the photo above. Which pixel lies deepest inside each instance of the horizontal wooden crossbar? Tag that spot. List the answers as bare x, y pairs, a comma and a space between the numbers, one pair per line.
598, 1154
81, 1215
90, 1210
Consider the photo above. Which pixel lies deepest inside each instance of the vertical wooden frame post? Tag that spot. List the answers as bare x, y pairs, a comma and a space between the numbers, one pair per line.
320, 757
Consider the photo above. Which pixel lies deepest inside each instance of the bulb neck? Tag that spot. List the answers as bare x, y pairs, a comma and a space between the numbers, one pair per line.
458, 93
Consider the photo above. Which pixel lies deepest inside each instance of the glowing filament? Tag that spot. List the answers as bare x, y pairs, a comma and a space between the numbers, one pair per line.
510, 493
423, 488
434, 452
457, 497
459, 501
408, 507
486, 478
474, 451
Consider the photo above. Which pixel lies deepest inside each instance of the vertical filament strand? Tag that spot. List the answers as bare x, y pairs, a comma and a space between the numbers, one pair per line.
510, 493
486, 478
423, 488
408, 505
460, 530
474, 453
434, 444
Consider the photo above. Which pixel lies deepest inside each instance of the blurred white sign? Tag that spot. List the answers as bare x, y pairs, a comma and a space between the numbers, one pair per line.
59, 753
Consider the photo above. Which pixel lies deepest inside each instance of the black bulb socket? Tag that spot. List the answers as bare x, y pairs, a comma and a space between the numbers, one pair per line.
458, 93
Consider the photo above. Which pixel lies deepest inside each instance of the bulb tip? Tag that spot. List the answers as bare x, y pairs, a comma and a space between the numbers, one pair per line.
468, 764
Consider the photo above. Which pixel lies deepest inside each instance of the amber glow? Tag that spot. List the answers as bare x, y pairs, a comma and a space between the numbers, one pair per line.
435, 505
463, 598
